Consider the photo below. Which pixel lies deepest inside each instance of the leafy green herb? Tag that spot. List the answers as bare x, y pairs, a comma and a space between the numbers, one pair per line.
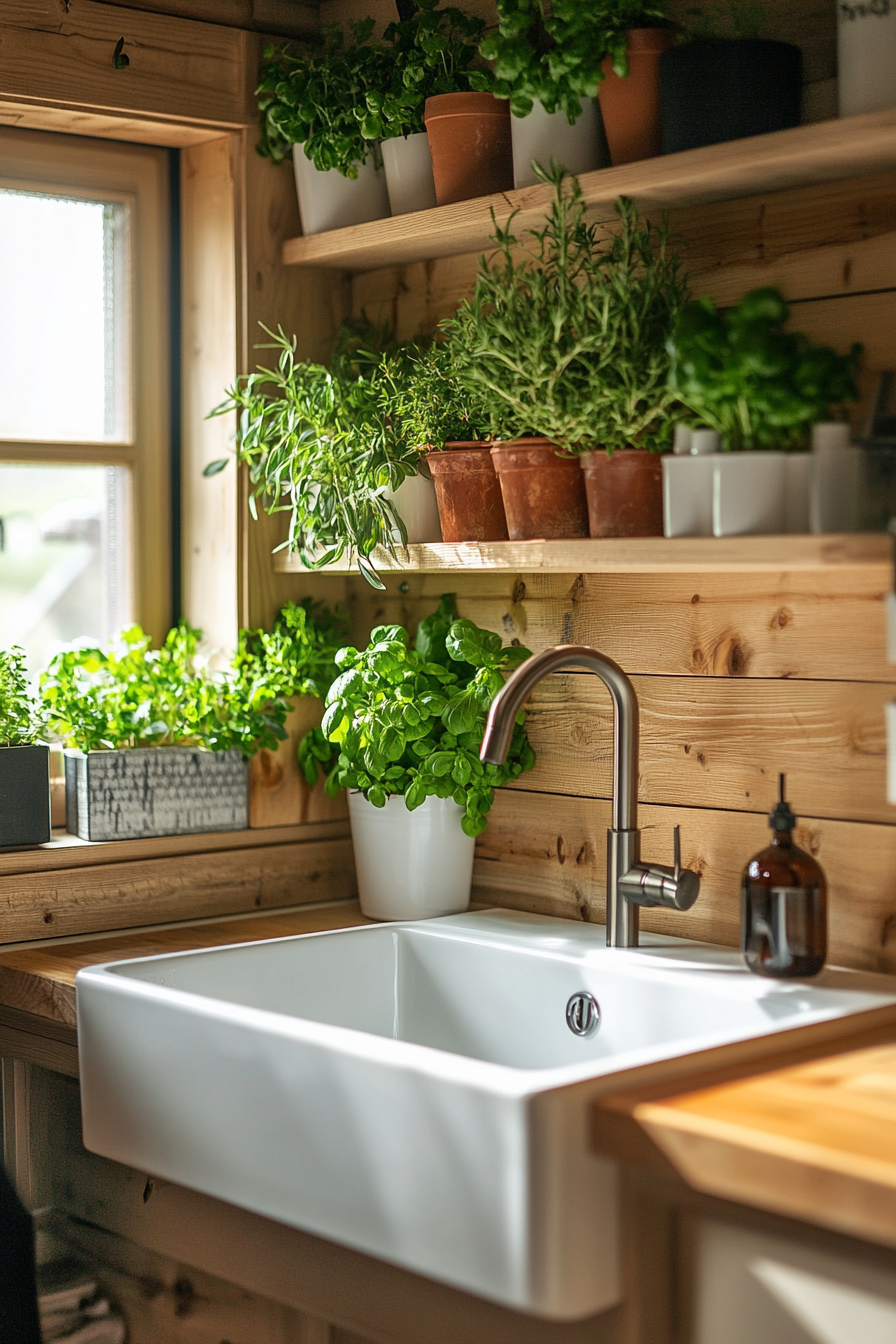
397, 722
735, 18
298, 656
566, 335
428, 53
431, 406
758, 385
320, 445
131, 695
554, 54
21, 719
311, 98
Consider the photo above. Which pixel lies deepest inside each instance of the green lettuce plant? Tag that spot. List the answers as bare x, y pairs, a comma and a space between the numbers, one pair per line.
21, 718
409, 722
565, 334
131, 695
553, 54
311, 97
758, 385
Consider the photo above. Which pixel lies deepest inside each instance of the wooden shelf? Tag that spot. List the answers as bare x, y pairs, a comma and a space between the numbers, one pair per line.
821, 152
642, 555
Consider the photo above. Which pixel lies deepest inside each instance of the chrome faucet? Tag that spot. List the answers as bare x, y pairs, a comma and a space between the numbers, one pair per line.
630, 883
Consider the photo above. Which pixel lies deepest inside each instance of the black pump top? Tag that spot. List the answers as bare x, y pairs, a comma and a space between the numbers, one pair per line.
781, 818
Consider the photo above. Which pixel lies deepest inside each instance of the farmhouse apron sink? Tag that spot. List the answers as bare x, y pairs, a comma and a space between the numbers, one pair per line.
420, 1091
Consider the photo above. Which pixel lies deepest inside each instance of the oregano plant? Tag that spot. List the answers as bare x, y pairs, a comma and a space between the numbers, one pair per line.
21, 720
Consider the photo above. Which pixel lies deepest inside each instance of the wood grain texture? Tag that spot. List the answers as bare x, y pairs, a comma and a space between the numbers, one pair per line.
824, 152
126, 895
70, 120
720, 743
813, 1142
40, 981
279, 794
179, 70
637, 555
766, 625
547, 854
287, 18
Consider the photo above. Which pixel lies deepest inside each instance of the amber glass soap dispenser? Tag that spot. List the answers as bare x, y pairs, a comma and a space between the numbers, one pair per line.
785, 905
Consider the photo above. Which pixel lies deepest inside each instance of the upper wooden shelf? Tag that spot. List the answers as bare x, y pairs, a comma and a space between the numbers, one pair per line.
821, 152
642, 555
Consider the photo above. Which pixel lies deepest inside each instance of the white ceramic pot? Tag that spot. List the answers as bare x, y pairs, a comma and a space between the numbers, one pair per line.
415, 500
797, 480
330, 201
543, 135
749, 493
411, 865
687, 495
866, 55
835, 492
408, 169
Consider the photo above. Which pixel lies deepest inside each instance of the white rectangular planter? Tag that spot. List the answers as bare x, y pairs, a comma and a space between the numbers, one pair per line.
330, 201
545, 135
749, 494
687, 495
835, 503
130, 794
866, 56
798, 481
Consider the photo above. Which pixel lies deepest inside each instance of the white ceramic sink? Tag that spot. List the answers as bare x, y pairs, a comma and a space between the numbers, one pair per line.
414, 1090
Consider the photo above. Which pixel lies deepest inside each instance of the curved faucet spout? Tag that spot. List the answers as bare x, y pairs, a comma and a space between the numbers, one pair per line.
509, 701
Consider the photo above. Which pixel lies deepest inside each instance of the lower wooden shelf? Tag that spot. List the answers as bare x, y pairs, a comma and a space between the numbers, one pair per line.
638, 555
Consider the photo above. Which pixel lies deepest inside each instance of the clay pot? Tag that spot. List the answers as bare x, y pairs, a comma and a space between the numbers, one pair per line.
470, 145
543, 491
471, 507
625, 493
631, 106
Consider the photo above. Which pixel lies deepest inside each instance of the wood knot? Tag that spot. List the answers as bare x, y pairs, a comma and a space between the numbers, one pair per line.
561, 849
519, 592
782, 618
695, 599
738, 660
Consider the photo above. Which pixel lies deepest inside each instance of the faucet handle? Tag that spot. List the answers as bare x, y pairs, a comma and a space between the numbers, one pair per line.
674, 888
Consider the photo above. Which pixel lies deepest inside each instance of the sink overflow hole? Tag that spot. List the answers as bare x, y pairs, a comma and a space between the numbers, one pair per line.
583, 1014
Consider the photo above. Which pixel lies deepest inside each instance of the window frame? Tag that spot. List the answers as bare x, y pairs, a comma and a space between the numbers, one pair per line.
138, 176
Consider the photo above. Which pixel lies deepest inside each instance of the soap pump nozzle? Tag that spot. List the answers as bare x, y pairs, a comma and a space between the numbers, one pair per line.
781, 818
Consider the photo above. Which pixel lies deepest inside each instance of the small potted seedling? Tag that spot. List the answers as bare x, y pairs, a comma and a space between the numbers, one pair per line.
24, 758
156, 743
402, 731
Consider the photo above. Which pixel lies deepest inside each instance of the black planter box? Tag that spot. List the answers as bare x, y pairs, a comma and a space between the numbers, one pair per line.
728, 89
24, 795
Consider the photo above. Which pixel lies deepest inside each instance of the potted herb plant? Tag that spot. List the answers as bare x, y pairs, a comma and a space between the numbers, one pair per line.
156, 744
402, 731
761, 388
427, 53
319, 446
293, 662
309, 101
448, 422
565, 336
24, 758
725, 82
547, 64
634, 36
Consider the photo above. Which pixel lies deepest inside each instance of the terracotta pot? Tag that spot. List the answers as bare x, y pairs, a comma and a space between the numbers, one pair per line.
471, 507
625, 493
544, 492
470, 145
631, 106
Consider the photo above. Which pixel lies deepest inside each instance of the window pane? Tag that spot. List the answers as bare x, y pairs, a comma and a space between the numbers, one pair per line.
63, 318
64, 555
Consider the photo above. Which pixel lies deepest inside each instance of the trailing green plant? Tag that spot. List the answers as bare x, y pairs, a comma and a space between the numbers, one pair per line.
732, 18
427, 53
409, 722
554, 54
431, 406
311, 97
21, 719
131, 695
758, 385
319, 445
298, 656
566, 335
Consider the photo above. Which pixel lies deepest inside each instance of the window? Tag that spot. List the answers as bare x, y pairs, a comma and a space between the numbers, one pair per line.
84, 417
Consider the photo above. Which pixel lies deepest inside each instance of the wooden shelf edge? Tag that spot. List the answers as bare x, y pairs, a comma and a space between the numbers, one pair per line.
641, 555
823, 151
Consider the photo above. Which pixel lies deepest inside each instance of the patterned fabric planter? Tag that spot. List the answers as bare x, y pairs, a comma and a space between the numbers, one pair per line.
129, 794
24, 795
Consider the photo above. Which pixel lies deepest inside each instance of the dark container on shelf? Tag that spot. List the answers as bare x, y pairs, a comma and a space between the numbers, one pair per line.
718, 89
784, 929
24, 795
